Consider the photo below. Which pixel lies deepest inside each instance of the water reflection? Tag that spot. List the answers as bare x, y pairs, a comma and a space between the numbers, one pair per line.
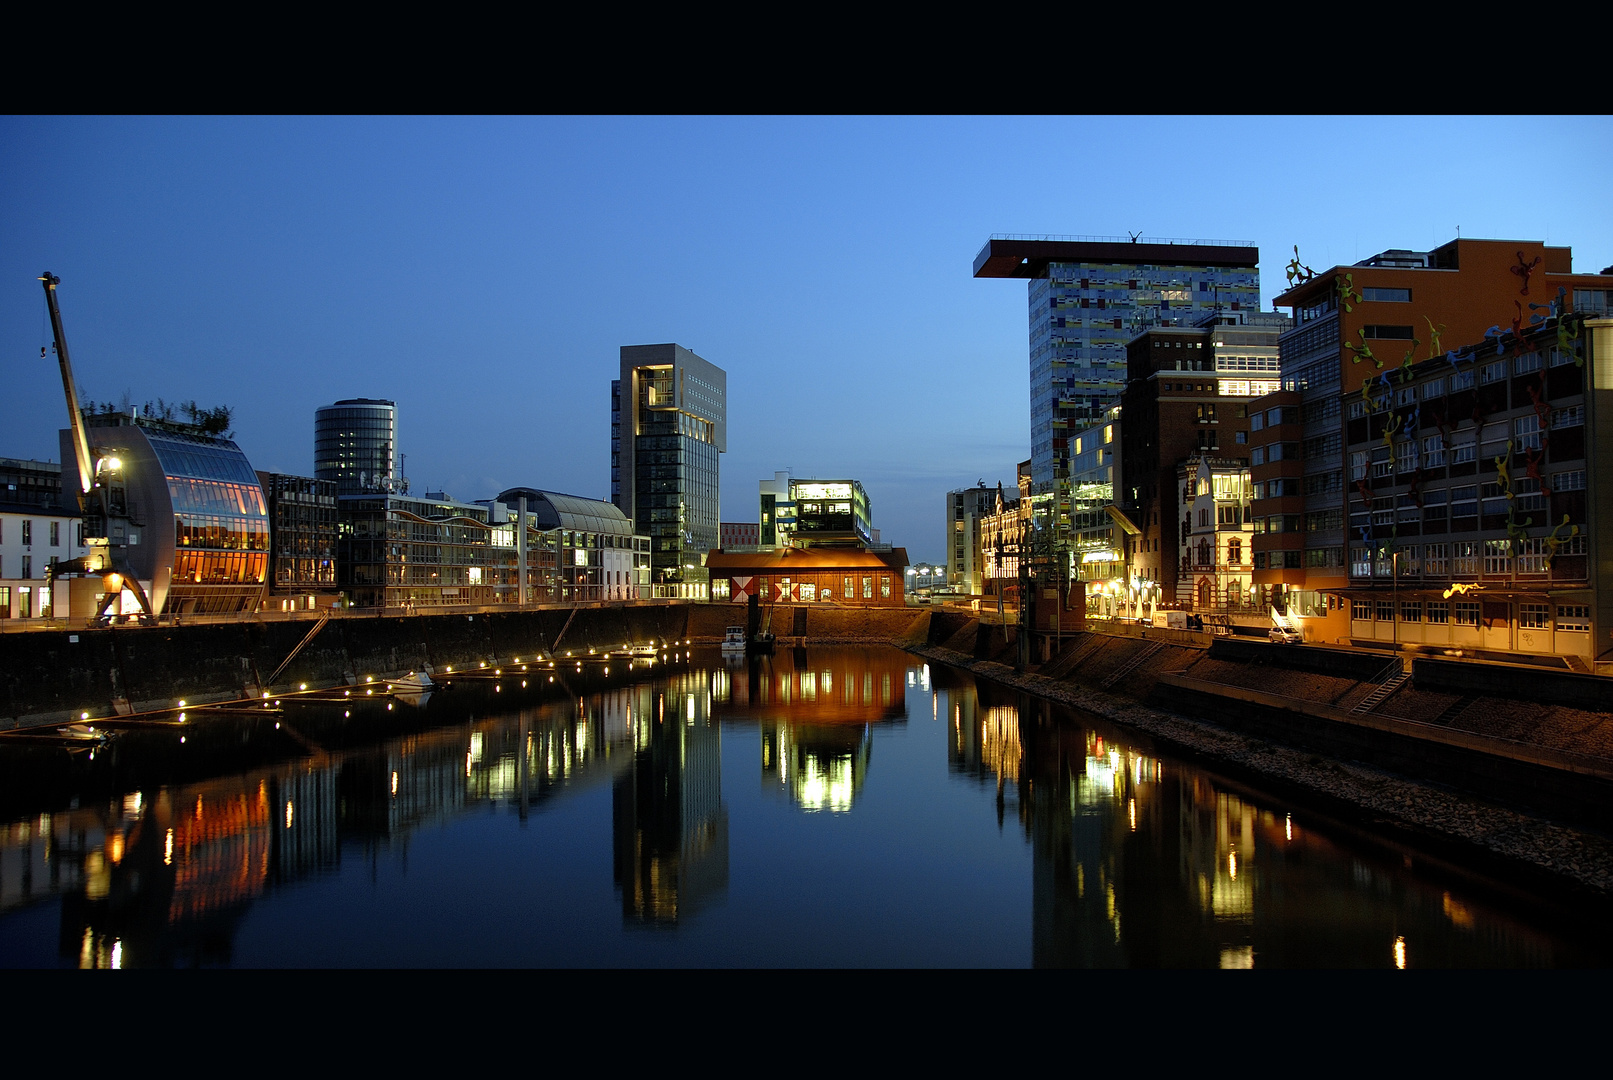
669, 824
816, 715
1068, 835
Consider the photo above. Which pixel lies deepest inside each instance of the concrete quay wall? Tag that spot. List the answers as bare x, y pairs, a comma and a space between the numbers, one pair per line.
51, 676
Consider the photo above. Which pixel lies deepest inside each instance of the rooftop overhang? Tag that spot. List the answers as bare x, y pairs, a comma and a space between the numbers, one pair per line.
1006, 258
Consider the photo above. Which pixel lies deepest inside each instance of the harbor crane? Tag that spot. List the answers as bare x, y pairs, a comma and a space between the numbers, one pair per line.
102, 495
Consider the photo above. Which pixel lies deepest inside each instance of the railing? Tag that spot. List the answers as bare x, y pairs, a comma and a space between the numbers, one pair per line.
1120, 239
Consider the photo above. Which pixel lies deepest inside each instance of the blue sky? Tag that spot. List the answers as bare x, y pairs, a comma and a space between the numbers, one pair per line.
483, 272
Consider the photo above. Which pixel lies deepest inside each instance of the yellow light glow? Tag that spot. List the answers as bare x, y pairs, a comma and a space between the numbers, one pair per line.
288, 814
168, 849
1400, 953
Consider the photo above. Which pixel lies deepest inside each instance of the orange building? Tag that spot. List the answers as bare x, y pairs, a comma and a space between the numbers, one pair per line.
1354, 324
842, 575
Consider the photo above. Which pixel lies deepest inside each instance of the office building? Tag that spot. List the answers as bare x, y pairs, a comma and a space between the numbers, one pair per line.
355, 444
577, 549
740, 534
669, 426
1480, 497
966, 562
1087, 298
776, 518
1188, 396
1372, 322
302, 541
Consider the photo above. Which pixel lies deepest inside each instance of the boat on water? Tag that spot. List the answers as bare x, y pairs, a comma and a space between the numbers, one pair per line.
416, 682
734, 640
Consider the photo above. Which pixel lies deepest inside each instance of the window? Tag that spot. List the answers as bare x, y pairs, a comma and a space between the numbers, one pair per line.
1433, 388
1360, 609
1439, 612
27, 533
884, 587
1389, 333
1358, 464
868, 588
1465, 558
1569, 481
1527, 362
1411, 611
1240, 437
1234, 551
1492, 373
1574, 617
1434, 451
1532, 555
1436, 561
1497, 556
1526, 432
1573, 416
1392, 296
1462, 380
55, 534
27, 566
1534, 617
1467, 613
846, 589
1464, 451
1385, 610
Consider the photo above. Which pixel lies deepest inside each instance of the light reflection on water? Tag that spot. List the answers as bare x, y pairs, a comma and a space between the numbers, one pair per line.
987, 829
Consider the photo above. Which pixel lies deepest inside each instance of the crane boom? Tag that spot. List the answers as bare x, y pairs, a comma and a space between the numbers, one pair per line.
81, 442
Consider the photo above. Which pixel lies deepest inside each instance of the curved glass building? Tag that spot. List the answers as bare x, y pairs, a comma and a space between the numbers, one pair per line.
355, 443
199, 527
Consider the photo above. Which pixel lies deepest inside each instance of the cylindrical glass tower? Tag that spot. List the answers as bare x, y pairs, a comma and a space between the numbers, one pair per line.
354, 444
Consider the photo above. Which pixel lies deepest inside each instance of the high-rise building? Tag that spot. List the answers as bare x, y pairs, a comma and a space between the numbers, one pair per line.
1087, 298
669, 424
355, 443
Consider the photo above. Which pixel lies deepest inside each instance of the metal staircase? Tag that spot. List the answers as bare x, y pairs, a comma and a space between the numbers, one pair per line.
1392, 678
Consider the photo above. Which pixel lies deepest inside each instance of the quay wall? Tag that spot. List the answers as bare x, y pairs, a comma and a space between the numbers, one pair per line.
50, 676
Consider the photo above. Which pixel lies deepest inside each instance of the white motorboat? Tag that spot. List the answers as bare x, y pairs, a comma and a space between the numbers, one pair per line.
734, 640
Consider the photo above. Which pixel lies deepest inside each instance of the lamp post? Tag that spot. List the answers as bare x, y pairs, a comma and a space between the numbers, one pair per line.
1394, 593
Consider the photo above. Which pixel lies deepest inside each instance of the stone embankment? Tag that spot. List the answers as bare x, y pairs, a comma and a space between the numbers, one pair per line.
1308, 750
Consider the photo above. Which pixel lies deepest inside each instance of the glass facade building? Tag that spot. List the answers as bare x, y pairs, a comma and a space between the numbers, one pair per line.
1087, 298
213, 558
668, 427
355, 444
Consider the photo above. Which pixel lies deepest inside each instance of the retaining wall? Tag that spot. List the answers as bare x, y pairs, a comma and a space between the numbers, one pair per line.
49, 676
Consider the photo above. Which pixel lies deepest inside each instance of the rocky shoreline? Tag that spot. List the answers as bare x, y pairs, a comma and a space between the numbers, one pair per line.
1515, 849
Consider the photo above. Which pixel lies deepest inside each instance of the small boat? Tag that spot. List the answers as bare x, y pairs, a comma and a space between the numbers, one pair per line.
416, 682
734, 640
645, 652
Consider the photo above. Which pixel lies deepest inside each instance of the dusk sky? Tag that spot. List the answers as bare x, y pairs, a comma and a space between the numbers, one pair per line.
483, 273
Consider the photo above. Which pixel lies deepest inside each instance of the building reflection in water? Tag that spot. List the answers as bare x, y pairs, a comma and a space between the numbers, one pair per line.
1133, 861
816, 709
162, 878
1135, 864
669, 824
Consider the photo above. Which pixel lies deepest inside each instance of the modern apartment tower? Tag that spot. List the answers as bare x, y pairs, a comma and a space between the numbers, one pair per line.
1087, 298
355, 444
669, 424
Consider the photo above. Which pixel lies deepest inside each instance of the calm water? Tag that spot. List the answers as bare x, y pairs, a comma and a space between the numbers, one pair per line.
837, 807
